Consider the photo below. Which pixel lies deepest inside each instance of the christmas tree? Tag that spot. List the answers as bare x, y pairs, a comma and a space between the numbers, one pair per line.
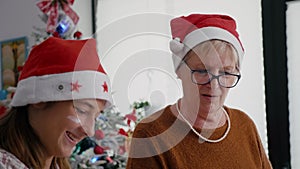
109, 147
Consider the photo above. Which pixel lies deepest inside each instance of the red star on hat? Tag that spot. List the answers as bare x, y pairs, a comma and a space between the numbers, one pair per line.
75, 86
105, 87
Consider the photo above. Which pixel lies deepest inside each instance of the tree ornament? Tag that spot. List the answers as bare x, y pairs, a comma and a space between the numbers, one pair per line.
98, 150
61, 21
77, 35
52, 7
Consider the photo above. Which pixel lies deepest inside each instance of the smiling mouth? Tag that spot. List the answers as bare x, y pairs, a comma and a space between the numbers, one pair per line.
72, 137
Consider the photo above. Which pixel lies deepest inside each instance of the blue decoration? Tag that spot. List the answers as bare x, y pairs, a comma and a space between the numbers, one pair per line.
3, 94
63, 26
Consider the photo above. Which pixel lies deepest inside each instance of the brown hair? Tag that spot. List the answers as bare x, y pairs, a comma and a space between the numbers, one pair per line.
18, 137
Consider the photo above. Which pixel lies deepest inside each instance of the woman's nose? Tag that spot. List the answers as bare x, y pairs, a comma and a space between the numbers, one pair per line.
214, 83
89, 128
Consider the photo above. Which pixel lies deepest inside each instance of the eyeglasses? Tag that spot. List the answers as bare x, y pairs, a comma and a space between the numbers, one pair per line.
203, 77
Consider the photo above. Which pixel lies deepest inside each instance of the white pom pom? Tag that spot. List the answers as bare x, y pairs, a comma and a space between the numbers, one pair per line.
176, 46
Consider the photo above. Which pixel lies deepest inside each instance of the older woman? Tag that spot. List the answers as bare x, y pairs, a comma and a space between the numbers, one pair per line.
199, 131
61, 91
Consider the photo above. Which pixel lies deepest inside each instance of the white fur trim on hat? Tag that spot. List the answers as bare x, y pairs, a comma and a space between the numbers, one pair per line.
198, 36
62, 87
176, 46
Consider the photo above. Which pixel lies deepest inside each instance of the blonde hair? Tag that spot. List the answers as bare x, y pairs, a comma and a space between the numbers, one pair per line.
217, 45
18, 137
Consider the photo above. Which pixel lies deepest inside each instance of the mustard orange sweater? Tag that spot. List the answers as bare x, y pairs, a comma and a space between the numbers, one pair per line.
161, 141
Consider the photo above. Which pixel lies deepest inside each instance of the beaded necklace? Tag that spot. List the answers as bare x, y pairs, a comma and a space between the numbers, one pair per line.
202, 137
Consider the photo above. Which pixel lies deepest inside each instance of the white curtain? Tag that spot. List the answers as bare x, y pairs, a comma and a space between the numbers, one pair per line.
293, 36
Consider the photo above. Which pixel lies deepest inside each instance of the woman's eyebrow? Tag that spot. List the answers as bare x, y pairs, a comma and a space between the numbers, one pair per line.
229, 67
91, 106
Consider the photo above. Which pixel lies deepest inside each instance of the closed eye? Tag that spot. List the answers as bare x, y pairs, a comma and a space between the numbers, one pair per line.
78, 110
202, 71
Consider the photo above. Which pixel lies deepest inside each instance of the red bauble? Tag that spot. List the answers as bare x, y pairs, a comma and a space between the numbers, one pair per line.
2, 110
98, 150
77, 35
99, 134
56, 34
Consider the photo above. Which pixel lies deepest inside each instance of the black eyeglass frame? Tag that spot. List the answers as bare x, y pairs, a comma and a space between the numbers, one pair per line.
212, 77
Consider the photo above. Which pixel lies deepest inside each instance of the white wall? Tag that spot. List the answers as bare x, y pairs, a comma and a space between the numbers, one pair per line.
293, 36
133, 38
17, 18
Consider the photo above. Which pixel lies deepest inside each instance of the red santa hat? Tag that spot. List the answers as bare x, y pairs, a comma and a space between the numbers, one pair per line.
59, 70
189, 31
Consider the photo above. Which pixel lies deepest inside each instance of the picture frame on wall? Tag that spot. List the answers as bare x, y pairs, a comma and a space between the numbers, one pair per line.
13, 55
